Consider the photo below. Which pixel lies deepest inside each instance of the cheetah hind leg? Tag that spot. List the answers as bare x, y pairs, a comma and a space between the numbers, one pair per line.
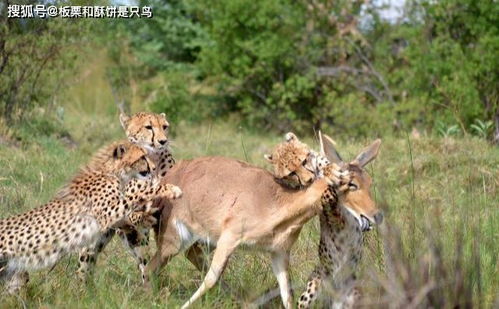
313, 289
348, 301
88, 256
14, 281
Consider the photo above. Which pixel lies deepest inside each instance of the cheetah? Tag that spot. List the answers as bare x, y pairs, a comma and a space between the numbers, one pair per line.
295, 164
342, 223
150, 132
95, 201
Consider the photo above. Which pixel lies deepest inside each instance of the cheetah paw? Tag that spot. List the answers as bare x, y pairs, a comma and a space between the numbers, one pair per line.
173, 192
338, 176
149, 222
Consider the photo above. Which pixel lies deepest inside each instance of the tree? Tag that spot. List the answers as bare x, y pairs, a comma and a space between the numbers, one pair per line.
35, 56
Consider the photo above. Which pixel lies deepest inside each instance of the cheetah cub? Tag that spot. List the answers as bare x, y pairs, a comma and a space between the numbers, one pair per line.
92, 203
296, 165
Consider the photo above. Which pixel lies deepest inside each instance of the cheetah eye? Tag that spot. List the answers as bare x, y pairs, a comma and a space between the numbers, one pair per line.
149, 127
165, 127
144, 173
352, 186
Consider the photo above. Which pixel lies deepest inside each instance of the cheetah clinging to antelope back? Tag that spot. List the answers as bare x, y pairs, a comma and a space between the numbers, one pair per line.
93, 202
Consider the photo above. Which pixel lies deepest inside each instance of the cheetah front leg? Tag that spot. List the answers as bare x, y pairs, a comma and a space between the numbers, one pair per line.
137, 195
135, 235
142, 199
140, 203
136, 242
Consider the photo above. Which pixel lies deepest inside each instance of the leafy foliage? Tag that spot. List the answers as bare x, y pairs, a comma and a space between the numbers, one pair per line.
36, 56
282, 65
444, 60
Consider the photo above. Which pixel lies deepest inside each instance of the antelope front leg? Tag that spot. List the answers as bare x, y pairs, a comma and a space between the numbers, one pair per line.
225, 246
280, 265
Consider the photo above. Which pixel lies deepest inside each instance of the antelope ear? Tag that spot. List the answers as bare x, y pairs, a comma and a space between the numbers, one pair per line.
268, 157
119, 152
368, 154
328, 149
124, 119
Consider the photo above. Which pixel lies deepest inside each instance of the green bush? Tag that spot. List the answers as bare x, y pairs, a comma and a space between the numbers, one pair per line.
174, 98
444, 59
280, 65
37, 57
336, 65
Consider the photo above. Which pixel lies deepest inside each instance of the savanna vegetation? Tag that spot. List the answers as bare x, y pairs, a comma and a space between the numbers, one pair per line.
232, 76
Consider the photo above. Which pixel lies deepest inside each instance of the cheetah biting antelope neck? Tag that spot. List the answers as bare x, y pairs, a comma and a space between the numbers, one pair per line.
342, 221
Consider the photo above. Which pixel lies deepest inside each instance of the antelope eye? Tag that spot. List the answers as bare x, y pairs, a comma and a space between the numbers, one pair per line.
149, 127
352, 186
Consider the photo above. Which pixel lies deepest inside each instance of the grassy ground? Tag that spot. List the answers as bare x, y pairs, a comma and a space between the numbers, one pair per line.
441, 197
452, 184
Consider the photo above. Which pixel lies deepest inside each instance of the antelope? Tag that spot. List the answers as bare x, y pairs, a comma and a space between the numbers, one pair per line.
227, 203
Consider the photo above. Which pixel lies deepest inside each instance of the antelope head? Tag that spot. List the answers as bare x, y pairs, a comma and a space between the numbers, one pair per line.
354, 191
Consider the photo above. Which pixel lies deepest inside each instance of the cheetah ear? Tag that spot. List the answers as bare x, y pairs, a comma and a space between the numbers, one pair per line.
268, 157
290, 136
119, 152
163, 115
368, 154
124, 119
328, 149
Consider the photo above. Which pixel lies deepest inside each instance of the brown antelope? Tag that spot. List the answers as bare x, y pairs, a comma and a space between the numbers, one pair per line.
228, 203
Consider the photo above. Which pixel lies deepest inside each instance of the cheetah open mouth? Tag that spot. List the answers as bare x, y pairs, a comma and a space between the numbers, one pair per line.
365, 224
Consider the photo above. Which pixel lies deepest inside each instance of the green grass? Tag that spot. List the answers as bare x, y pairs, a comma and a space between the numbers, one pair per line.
452, 184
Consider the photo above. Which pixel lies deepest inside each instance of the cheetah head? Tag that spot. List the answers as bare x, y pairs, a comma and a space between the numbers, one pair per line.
293, 161
132, 161
147, 130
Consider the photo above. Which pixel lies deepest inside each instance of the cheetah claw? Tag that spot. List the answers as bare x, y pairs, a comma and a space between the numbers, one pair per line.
173, 192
